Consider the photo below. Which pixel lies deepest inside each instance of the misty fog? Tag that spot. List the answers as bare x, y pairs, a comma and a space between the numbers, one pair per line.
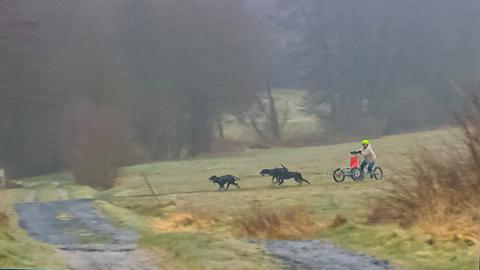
153, 79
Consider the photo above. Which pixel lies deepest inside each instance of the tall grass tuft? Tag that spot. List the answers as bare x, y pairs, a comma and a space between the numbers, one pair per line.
289, 223
441, 192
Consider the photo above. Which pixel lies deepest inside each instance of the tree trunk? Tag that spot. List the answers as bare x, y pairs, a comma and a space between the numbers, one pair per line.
256, 128
218, 122
200, 118
273, 116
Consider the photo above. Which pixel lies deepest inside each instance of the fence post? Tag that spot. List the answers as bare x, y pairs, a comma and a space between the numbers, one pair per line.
3, 179
152, 190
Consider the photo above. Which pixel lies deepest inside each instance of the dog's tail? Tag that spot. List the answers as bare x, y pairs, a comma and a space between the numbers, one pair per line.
304, 180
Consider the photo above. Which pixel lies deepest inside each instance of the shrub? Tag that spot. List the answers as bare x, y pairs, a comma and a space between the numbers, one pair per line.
289, 223
440, 194
338, 221
95, 142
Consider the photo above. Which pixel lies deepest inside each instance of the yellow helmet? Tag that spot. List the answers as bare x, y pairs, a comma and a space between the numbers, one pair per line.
365, 142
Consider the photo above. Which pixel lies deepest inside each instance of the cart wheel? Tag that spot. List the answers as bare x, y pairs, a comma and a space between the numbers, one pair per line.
378, 173
338, 175
357, 174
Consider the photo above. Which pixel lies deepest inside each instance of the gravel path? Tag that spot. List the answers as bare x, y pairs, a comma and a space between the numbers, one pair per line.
84, 238
320, 255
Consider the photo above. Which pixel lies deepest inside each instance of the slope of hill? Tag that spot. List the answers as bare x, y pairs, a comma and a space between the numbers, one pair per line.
195, 227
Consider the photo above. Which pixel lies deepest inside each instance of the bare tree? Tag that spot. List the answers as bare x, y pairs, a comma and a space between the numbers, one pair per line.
95, 143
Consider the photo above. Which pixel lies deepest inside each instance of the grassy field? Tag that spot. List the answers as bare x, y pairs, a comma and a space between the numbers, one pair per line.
190, 204
195, 227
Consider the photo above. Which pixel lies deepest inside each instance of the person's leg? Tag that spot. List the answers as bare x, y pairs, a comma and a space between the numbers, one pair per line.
362, 167
370, 168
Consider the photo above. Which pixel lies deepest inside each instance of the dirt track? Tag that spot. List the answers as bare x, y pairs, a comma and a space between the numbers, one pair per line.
84, 238
88, 241
320, 255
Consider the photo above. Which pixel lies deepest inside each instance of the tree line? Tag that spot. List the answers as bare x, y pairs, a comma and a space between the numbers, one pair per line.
139, 80
380, 67
89, 85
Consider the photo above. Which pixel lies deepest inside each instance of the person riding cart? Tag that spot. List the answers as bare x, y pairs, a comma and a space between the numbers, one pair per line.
355, 170
369, 157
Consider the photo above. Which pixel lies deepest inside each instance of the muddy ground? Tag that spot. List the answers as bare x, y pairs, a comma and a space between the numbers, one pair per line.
320, 255
85, 239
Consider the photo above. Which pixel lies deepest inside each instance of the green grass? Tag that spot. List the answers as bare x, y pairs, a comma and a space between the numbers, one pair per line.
17, 250
80, 192
60, 178
59, 186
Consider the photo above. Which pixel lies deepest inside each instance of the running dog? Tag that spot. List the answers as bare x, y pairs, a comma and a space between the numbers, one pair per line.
274, 173
287, 174
292, 175
221, 181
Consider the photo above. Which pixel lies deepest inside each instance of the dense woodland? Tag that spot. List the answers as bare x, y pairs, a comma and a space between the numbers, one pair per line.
92, 84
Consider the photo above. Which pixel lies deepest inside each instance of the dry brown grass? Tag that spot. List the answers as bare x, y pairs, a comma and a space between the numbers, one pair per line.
260, 222
289, 223
440, 194
338, 221
3, 219
188, 218
181, 222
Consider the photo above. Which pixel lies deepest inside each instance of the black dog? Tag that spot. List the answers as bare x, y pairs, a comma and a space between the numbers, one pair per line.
292, 175
225, 180
274, 173
287, 174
